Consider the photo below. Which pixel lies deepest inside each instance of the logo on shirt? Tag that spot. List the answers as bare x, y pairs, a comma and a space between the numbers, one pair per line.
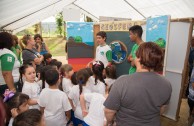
9, 59
102, 53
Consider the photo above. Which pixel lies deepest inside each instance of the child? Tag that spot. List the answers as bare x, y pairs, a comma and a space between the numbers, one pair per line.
96, 82
42, 82
16, 103
74, 95
56, 63
95, 115
54, 103
135, 34
30, 87
66, 73
32, 117
110, 72
47, 58
103, 51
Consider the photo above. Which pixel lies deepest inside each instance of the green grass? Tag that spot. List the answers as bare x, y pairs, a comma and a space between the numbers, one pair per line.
56, 46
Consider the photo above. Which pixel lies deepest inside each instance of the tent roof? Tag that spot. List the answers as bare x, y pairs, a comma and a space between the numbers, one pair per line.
16, 15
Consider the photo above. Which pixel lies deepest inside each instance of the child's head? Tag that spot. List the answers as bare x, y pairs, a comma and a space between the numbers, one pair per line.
73, 79
28, 72
31, 117
110, 72
47, 58
18, 101
97, 69
101, 37
42, 73
52, 77
89, 71
54, 62
82, 77
66, 71
30, 62
135, 32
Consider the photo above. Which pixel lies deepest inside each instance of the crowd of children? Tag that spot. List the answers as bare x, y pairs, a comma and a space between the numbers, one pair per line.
55, 95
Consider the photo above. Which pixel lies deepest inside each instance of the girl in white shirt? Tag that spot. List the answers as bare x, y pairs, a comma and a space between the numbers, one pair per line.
96, 83
110, 73
66, 72
30, 87
74, 95
16, 103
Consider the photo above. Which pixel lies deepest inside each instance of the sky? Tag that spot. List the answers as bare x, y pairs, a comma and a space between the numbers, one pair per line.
50, 19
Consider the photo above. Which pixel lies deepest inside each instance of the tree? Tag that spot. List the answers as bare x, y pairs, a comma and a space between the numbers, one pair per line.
59, 21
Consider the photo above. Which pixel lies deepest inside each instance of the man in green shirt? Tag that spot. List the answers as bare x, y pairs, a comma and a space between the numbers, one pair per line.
135, 34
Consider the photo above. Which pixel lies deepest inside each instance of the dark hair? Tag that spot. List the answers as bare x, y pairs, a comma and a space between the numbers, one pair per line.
64, 68
136, 29
2, 113
56, 63
15, 38
46, 56
89, 71
28, 62
151, 56
42, 74
25, 39
111, 72
14, 102
82, 77
6, 40
22, 70
73, 79
31, 117
38, 36
102, 34
97, 68
51, 77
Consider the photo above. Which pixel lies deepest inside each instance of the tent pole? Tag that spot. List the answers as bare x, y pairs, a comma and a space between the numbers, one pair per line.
135, 9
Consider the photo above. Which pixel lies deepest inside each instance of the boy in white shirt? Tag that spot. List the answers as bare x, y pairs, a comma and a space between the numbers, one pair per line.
54, 103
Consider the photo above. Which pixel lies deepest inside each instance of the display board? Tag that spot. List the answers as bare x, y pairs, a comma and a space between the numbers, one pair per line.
175, 62
80, 42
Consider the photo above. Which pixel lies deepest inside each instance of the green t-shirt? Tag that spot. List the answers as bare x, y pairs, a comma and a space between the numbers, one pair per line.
14, 50
7, 62
109, 55
132, 69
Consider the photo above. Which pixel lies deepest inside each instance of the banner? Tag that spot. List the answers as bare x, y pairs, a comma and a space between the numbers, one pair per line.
118, 25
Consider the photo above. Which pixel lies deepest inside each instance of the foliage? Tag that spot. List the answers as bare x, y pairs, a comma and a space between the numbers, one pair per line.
78, 39
88, 19
59, 22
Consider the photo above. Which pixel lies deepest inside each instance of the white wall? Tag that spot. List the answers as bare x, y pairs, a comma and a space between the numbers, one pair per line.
176, 53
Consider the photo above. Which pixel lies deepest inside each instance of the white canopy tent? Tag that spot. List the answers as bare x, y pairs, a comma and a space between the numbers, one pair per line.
16, 15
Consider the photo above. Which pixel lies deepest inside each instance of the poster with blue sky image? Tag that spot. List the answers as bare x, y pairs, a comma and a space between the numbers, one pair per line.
157, 30
82, 29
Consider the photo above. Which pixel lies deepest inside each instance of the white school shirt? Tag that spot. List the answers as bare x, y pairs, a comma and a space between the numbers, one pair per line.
33, 91
74, 95
95, 116
98, 88
101, 54
66, 85
56, 104
40, 84
11, 121
109, 81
